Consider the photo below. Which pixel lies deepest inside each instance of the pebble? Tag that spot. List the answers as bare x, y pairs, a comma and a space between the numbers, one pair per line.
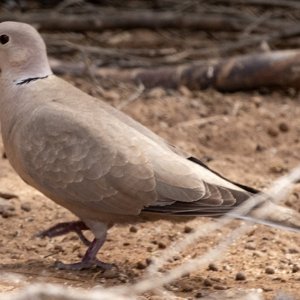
259, 148
267, 289
220, 287
187, 289
272, 132
149, 261
277, 169
227, 268
26, 206
212, 267
7, 196
111, 273
295, 268
162, 245
293, 250
250, 246
141, 265
283, 127
240, 276
133, 229
199, 295
149, 249
269, 270
207, 282
6, 209
188, 229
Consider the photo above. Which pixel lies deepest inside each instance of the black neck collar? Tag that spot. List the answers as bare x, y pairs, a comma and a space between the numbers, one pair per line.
28, 80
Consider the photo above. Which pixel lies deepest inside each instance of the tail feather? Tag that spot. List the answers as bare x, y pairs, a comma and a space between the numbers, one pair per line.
267, 213
244, 187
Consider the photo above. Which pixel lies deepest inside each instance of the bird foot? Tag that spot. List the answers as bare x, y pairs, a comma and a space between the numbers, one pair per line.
64, 228
83, 265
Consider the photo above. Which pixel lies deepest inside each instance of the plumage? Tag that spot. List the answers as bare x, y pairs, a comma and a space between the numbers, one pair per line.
91, 158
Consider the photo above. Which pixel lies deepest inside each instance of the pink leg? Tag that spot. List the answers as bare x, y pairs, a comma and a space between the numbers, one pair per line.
89, 260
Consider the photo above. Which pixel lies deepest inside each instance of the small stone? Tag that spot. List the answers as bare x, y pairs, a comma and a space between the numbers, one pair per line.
111, 273
161, 245
269, 270
6, 209
207, 282
141, 265
199, 295
295, 268
272, 132
293, 251
7, 196
283, 127
240, 276
14, 256
250, 246
133, 229
7, 214
187, 229
227, 268
187, 289
148, 261
220, 287
277, 169
26, 206
259, 148
212, 267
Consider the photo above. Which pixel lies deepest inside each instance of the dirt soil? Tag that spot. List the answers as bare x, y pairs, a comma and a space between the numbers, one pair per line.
248, 137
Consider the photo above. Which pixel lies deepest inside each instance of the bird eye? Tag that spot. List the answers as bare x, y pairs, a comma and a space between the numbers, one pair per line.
4, 39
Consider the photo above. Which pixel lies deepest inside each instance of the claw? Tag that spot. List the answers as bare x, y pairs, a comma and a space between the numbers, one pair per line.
64, 228
89, 260
84, 265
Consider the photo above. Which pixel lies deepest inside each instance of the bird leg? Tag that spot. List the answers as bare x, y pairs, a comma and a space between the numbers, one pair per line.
64, 228
89, 260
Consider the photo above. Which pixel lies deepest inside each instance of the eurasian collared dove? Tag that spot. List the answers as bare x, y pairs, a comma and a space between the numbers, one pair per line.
92, 159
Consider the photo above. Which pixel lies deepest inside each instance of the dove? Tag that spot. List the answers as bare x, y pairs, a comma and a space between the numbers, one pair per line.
100, 164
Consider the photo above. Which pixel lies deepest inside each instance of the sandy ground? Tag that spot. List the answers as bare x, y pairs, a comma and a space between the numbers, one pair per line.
248, 137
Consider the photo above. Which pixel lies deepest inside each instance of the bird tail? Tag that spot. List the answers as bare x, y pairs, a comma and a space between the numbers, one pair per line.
275, 215
267, 213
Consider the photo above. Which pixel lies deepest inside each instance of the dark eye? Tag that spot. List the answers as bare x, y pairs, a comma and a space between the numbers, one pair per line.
4, 39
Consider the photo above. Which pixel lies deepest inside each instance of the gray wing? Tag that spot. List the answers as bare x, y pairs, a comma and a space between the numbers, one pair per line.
106, 166
142, 129
94, 166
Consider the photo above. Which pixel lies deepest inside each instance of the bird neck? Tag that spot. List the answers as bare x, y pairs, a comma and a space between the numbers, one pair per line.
21, 68
28, 75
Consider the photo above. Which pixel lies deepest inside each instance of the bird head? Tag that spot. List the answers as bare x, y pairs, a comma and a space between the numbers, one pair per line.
23, 52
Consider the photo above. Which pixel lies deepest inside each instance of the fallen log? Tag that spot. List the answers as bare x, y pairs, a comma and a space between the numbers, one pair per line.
133, 57
267, 3
132, 20
245, 72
